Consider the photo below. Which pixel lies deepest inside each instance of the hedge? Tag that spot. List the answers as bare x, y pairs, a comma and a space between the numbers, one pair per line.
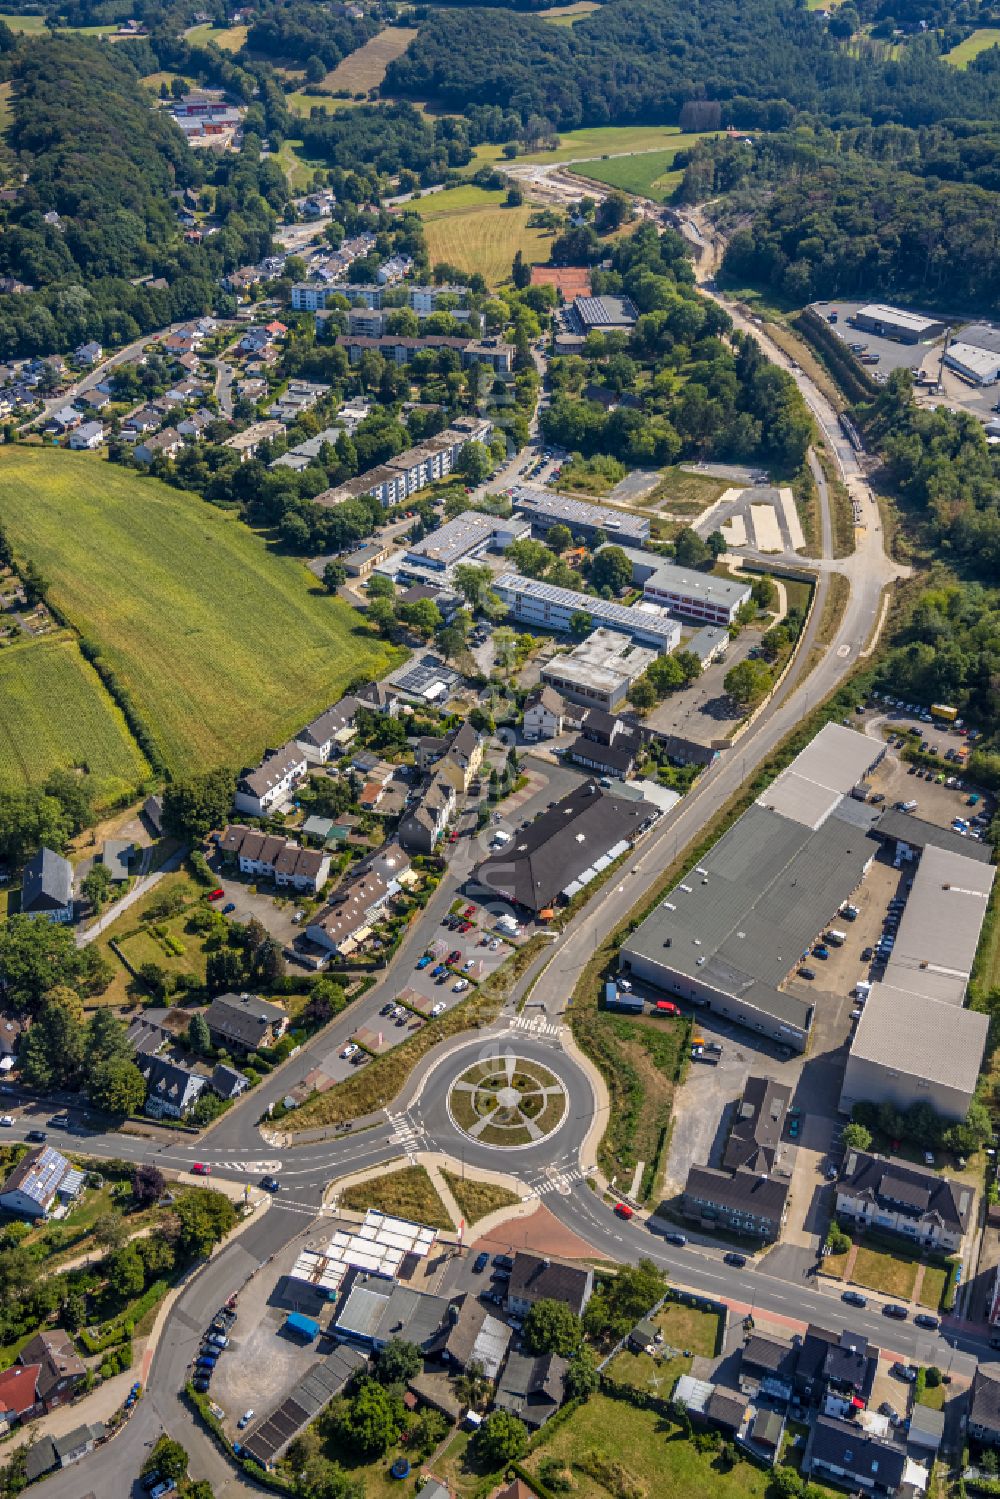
123, 1327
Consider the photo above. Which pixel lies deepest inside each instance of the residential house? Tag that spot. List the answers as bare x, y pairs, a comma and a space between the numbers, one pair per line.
196, 425
532, 1388
115, 856
248, 443
245, 1022
345, 922
546, 714
465, 753
835, 1371
473, 1336
87, 437
379, 698
77, 1443
768, 1364
851, 1457
422, 826
47, 887
146, 419
60, 1369
615, 761
18, 1400
926, 1432
96, 399
257, 791
171, 1090
228, 1082
757, 1128
267, 856
984, 1407
42, 1180
330, 733
165, 444
541, 1278
879, 1192
65, 419
741, 1202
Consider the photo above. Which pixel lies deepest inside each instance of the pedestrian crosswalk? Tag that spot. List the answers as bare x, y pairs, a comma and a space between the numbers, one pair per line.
537, 1025
558, 1181
407, 1135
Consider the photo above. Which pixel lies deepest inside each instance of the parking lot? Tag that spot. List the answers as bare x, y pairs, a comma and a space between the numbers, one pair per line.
893, 355
704, 712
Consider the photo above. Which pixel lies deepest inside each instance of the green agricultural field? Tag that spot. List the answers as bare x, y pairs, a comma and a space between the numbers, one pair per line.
28, 25
470, 228
229, 38
649, 174
595, 140
979, 41
224, 646
56, 714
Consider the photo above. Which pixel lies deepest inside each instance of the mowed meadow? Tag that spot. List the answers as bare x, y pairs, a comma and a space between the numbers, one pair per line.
56, 715
224, 646
470, 227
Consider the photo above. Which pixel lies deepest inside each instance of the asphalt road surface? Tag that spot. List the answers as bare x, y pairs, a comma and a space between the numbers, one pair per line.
234, 1148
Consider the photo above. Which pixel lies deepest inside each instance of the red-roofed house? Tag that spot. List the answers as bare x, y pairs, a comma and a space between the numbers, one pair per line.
18, 1395
275, 329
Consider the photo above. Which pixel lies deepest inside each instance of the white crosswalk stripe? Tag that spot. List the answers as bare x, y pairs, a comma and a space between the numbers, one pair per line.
560, 1181
406, 1134
538, 1025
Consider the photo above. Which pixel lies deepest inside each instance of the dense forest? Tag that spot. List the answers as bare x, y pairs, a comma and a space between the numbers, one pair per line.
100, 155
761, 62
683, 391
296, 33
387, 139
900, 213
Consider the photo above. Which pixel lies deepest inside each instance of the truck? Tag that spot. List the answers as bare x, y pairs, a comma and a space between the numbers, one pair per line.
944, 711
621, 1000
837, 937
301, 1326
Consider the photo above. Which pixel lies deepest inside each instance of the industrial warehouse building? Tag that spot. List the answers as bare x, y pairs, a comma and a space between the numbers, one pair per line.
550, 608
701, 597
975, 354
728, 936
546, 509
893, 322
897, 1055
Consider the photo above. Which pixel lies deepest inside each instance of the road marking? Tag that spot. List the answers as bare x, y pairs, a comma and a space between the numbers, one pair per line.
408, 1135
538, 1025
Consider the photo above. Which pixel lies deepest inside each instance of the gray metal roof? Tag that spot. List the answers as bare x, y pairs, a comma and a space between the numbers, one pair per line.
560, 507
686, 582
458, 537
937, 939
904, 827
744, 917
906, 1035
810, 788
981, 336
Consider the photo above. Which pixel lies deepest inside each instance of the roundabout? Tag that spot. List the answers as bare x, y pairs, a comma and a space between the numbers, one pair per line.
508, 1102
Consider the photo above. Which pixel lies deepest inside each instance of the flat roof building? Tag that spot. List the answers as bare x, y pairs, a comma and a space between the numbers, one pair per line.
703, 597
729, 935
938, 935
600, 670
978, 366
551, 608
894, 322
906, 1051
602, 314
464, 536
545, 509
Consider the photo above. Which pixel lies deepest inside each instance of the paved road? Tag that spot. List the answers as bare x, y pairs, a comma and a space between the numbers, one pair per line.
223, 385
142, 887
235, 1148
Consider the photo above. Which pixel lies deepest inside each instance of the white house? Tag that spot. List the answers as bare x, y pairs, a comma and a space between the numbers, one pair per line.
39, 1182
89, 436
259, 790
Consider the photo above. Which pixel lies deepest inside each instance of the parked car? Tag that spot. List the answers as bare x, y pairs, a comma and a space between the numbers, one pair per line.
892, 1309
201, 1385
207, 1361
218, 1339
439, 1008
201, 1169
387, 1009
425, 961
36, 1136
736, 1260
455, 956
458, 988
480, 1262
867, 953
807, 973
678, 1239
665, 1007
623, 1210
245, 1420
819, 951
924, 1319
437, 972
216, 894
349, 1050
6, 1122
906, 1372
503, 1262
854, 1298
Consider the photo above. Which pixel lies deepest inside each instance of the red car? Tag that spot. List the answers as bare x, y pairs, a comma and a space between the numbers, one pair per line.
200, 1169
453, 836
454, 955
665, 1007
469, 912
465, 927
623, 1210
217, 894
